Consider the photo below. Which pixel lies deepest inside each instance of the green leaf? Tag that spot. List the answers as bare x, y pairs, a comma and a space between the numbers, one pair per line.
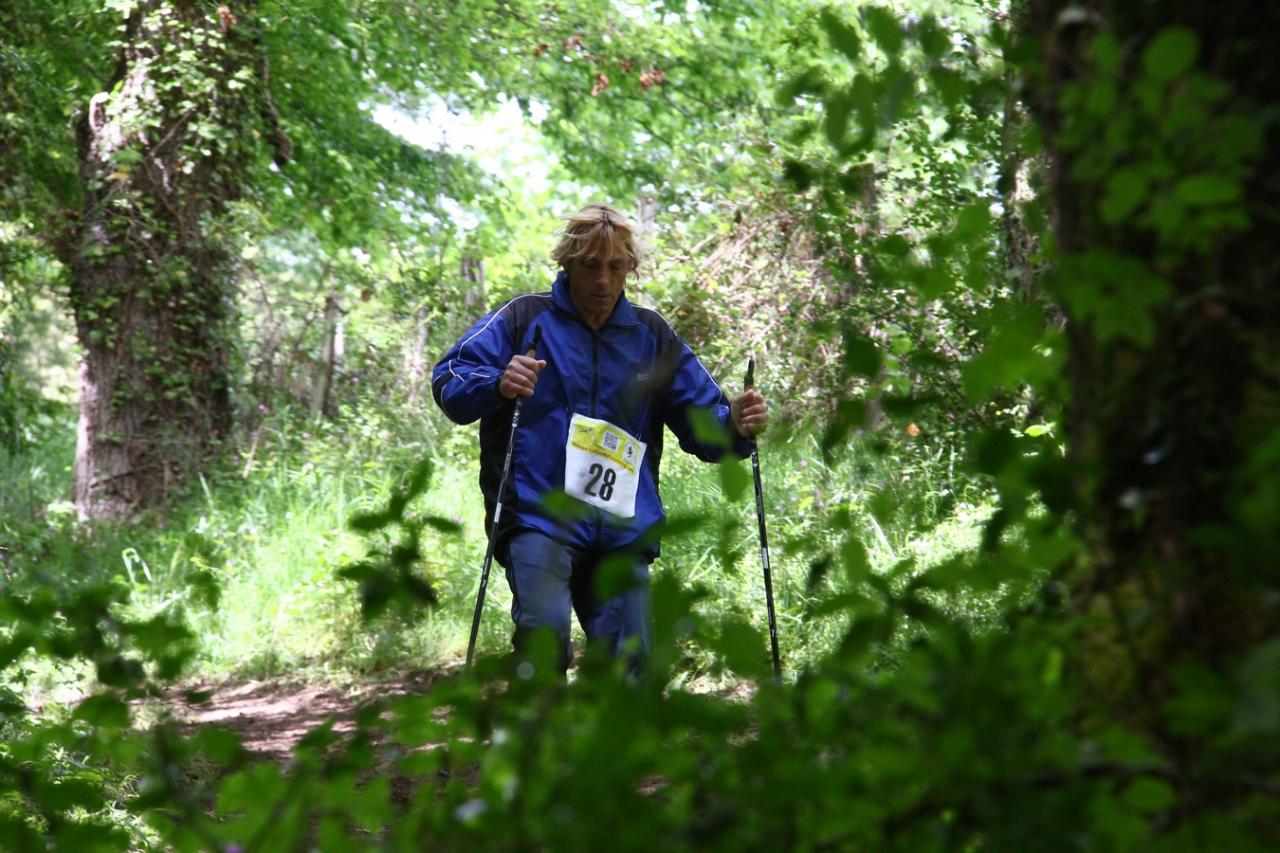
932, 280
811, 81
1170, 53
160, 635
317, 740
1115, 293
220, 745
67, 794
1106, 53
371, 807
87, 835
863, 634
419, 478
615, 576
707, 428
733, 478
13, 649
17, 833
1203, 701
368, 522
853, 554
861, 356
1150, 795
895, 246
1126, 191
253, 790
952, 87
1101, 97
1207, 189
741, 647
1010, 356
104, 711
973, 221
1118, 743
933, 39
885, 29
833, 604
818, 570
850, 414
799, 175
896, 406
676, 526
332, 833
993, 450
444, 525
562, 506
836, 124
844, 38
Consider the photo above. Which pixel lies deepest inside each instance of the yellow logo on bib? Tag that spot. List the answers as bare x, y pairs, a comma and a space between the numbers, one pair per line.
602, 438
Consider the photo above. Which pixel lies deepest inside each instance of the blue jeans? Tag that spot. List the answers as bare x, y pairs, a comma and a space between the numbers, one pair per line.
547, 578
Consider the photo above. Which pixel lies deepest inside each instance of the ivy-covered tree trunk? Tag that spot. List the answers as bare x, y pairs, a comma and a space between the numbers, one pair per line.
161, 148
1165, 179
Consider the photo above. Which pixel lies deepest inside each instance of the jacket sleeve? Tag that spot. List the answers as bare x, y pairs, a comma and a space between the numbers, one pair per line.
465, 382
697, 410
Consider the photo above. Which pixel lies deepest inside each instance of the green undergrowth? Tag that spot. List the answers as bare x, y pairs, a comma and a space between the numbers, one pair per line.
250, 560
897, 508
284, 534
922, 674
244, 578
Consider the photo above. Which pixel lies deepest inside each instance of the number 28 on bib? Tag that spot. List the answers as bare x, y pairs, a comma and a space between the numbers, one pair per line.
602, 465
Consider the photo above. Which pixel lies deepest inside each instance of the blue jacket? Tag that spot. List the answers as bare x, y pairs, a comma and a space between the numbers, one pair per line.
634, 372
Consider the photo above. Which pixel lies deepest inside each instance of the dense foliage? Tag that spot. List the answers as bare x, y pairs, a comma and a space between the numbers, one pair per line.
1005, 265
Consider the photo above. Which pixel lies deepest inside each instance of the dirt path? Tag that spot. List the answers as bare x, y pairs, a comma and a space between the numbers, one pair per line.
270, 717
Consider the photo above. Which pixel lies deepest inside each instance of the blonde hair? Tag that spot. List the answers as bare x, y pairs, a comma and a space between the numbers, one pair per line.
594, 228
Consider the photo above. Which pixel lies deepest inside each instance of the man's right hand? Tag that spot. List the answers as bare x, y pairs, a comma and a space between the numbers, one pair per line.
520, 376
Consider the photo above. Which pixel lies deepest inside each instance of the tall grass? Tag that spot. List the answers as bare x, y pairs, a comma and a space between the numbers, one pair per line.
269, 530
279, 530
897, 507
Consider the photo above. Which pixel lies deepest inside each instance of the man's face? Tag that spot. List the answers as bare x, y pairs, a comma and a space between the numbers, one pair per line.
596, 281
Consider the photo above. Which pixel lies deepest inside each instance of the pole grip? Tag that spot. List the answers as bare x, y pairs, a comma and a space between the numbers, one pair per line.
750, 381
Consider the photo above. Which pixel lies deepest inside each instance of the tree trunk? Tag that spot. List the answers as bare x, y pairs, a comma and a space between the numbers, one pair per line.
1018, 244
472, 272
1168, 431
647, 216
322, 386
416, 355
8, 393
161, 150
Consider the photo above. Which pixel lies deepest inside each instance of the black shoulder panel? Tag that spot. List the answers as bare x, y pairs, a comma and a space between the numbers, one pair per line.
667, 357
668, 340
519, 315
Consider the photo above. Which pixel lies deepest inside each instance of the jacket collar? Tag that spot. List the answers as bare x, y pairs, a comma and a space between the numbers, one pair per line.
624, 313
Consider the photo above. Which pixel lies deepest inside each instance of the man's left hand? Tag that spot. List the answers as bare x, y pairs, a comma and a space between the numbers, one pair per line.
749, 413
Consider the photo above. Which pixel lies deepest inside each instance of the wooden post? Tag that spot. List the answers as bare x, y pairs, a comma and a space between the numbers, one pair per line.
329, 351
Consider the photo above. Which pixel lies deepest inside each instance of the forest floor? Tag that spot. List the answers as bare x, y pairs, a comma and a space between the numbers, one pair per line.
271, 716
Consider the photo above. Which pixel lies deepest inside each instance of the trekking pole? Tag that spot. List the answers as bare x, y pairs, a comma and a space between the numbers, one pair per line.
497, 512
764, 539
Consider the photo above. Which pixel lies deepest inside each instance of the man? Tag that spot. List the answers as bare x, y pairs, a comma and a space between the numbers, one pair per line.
606, 377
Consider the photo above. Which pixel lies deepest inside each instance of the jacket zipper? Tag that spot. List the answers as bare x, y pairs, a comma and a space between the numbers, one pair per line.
595, 388
595, 369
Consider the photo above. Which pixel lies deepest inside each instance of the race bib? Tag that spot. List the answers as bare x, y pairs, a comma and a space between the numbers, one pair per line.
602, 465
